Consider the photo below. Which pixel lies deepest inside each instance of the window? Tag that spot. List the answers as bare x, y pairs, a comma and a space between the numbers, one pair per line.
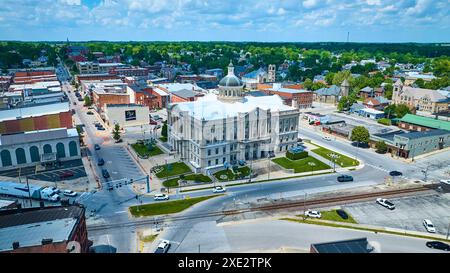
209, 162
217, 151
217, 161
209, 152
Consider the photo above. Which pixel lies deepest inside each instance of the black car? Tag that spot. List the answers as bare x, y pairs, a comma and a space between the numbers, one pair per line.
89, 113
395, 173
97, 147
119, 140
101, 128
342, 213
101, 162
344, 178
438, 245
105, 174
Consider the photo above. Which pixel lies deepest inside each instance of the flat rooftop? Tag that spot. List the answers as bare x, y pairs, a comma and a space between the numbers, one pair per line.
38, 135
210, 108
32, 234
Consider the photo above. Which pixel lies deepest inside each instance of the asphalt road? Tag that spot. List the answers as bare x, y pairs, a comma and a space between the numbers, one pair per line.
111, 206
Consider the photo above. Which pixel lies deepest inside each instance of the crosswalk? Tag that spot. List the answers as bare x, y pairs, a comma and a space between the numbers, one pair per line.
378, 168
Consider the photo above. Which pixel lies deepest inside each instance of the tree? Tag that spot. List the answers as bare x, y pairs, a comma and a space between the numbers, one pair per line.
401, 110
345, 102
164, 130
390, 110
360, 134
381, 147
307, 84
116, 132
388, 89
87, 101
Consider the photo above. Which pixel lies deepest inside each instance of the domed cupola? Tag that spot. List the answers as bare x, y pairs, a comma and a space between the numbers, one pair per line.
231, 87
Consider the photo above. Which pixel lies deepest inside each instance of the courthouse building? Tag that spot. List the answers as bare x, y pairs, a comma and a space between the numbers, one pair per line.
225, 128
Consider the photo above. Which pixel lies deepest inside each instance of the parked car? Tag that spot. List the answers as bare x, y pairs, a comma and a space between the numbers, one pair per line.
80, 99
386, 203
429, 226
97, 147
157, 126
97, 124
156, 117
395, 173
161, 196
438, 245
89, 113
65, 174
342, 214
119, 140
219, 189
345, 178
313, 214
101, 128
101, 162
153, 122
163, 247
110, 187
55, 189
74, 103
69, 193
327, 138
105, 173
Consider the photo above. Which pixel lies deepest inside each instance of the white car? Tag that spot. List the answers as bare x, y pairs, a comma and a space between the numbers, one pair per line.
219, 189
161, 196
327, 138
429, 226
313, 214
386, 203
70, 193
163, 247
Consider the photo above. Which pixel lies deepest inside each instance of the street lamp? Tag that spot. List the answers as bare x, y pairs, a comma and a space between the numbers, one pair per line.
334, 157
312, 164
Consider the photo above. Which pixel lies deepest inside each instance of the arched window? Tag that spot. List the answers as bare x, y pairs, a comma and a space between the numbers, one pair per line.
34, 154
73, 149
47, 149
60, 152
6, 158
20, 156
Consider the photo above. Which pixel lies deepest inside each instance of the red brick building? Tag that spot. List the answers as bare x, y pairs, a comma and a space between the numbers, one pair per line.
96, 77
55, 229
161, 97
185, 95
298, 98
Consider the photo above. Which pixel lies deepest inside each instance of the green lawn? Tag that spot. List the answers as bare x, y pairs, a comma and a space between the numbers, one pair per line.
301, 165
172, 183
325, 153
331, 215
166, 207
176, 169
245, 171
143, 151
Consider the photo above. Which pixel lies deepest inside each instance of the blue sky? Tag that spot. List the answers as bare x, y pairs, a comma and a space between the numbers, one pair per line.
226, 20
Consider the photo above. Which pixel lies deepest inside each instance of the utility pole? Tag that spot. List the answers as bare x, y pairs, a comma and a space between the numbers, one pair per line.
29, 193
448, 230
268, 174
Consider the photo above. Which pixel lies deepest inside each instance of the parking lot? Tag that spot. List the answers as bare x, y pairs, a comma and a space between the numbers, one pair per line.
408, 214
68, 170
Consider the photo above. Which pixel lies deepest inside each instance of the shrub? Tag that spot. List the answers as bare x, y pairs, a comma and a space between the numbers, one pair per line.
296, 156
385, 121
381, 147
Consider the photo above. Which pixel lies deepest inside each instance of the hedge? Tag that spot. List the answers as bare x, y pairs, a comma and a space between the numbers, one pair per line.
385, 121
296, 156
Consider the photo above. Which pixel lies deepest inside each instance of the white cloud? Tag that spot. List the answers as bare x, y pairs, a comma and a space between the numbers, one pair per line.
310, 3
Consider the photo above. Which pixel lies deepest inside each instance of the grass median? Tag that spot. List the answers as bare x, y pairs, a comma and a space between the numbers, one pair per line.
342, 160
166, 207
301, 165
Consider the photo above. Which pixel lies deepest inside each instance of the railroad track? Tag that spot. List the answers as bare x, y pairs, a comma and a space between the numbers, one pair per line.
319, 202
